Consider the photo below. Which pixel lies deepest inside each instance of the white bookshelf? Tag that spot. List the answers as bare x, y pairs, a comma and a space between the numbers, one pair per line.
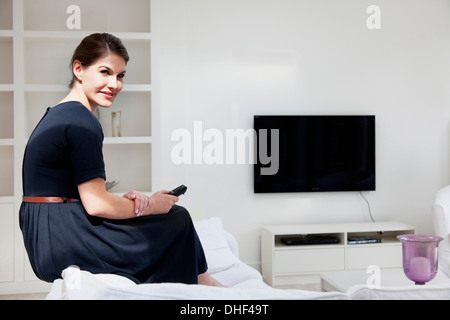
36, 47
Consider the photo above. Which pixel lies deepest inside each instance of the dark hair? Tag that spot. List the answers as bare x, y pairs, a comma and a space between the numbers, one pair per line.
95, 46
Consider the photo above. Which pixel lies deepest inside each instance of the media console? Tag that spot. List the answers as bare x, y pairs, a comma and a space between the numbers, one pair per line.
359, 246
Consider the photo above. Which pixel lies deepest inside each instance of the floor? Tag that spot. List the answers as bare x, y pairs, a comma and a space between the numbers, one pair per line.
28, 296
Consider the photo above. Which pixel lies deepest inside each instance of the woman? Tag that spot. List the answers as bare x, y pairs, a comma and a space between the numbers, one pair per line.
68, 218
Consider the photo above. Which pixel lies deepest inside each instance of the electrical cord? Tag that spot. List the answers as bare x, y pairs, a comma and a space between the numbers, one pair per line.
368, 206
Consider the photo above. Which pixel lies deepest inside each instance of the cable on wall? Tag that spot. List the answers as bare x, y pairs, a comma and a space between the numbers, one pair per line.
368, 206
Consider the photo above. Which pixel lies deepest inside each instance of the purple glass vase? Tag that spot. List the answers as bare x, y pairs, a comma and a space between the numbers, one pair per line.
420, 257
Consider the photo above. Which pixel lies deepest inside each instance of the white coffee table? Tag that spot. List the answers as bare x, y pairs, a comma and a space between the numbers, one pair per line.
342, 281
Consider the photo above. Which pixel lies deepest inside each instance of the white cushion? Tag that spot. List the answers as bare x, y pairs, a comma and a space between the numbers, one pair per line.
214, 242
82, 285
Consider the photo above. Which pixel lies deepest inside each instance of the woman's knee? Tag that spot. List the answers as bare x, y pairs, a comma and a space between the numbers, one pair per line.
182, 217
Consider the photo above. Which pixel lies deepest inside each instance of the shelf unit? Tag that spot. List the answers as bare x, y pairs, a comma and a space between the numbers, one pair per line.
36, 46
298, 264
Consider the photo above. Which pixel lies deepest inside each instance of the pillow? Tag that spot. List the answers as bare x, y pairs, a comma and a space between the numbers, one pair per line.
81, 285
217, 252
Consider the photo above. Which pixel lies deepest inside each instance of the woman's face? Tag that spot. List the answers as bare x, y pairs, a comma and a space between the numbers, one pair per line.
103, 80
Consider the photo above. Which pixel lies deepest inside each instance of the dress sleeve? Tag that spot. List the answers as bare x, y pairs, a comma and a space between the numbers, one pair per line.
86, 143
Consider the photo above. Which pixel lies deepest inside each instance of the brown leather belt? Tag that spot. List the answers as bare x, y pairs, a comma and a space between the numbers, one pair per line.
48, 199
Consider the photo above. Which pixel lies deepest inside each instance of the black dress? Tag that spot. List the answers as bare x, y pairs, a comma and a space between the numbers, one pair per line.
64, 151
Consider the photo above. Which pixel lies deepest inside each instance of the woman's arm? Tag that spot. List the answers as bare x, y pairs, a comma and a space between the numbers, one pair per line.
141, 201
100, 203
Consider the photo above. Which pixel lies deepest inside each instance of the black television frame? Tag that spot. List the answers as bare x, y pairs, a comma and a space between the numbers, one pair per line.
287, 182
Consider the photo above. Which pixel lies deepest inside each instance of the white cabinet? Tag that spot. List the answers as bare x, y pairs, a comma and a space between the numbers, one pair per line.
295, 264
308, 260
36, 45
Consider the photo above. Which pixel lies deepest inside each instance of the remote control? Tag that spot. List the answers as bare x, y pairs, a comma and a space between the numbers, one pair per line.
178, 191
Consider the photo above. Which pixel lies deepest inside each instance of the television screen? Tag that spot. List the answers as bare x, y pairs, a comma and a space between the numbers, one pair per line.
314, 153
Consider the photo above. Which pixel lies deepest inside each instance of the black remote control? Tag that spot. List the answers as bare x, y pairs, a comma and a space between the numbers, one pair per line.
178, 191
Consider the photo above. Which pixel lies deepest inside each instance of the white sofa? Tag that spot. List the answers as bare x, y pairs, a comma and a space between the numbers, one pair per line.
244, 282
441, 221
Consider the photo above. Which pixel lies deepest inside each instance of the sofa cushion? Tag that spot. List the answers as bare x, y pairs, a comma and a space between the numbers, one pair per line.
217, 251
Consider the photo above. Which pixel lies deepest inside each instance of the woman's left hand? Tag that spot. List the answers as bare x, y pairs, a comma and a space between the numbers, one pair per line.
141, 201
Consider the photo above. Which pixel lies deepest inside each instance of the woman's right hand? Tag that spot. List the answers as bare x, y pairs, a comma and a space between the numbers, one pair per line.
161, 202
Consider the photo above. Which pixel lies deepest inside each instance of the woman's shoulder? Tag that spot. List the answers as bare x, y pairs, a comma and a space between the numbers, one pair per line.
73, 107
74, 115
74, 111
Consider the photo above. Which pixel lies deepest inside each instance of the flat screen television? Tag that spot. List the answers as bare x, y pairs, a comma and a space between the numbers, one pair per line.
315, 153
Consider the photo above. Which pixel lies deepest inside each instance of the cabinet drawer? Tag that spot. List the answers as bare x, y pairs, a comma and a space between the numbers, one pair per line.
388, 256
309, 260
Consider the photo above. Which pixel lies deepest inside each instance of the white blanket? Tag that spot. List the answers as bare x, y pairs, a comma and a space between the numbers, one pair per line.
81, 285
244, 282
198, 292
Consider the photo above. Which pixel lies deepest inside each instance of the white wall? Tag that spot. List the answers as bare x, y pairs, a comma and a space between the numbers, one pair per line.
225, 60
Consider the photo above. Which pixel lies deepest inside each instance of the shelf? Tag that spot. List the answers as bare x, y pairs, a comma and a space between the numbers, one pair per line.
36, 103
6, 16
137, 88
135, 108
7, 199
127, 140
7, 171
36, 46
95, 15
54, 60
6, 87
79, 35
130, 164
6, 33
387, 237
64, 88
279, 245
6, 142
139, 66
54, 69
294, 264
351, 228
7, 60
6, 115
7, 218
